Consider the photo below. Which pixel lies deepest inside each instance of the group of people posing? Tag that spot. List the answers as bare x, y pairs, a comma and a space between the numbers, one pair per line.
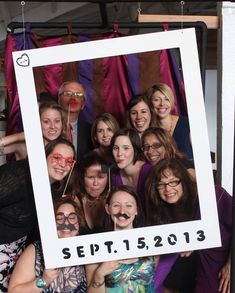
104, 178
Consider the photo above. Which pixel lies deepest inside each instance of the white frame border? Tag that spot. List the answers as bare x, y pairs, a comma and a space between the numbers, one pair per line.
79, 249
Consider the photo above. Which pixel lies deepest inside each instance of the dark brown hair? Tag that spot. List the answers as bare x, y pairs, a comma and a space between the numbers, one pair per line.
72, 184
52, 144
91, 159
135, 141
136, 100
160, 212
139, 219
69, 200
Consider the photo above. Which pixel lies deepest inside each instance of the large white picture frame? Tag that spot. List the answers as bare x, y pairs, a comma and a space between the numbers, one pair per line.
153, 240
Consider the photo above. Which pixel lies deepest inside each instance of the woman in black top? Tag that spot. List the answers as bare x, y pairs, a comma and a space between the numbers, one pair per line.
18, 219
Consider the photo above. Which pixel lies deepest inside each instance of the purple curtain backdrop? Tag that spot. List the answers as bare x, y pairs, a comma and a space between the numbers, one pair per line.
110, 82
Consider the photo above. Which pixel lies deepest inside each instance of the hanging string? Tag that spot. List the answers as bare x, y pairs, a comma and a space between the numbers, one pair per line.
182, 13
23, 21
109, 174
139, 8
118, 9
115, 223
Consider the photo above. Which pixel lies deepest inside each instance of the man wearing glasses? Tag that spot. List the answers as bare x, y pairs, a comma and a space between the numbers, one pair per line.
72, 98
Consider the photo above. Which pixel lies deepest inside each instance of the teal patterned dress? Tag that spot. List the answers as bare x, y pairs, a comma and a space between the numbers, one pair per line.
132, 278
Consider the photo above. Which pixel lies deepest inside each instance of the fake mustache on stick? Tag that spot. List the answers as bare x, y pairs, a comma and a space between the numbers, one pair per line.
119, 215
73, 103
70, 227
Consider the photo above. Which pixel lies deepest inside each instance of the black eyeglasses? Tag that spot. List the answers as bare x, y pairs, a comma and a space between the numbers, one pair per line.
154, 146
60, 218
174, 183
71, 94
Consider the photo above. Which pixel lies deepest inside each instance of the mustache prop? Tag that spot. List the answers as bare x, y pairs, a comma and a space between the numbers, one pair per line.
73, 103
70, 227
119, 215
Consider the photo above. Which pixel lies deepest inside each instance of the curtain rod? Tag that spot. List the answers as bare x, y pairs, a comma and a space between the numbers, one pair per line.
104, 1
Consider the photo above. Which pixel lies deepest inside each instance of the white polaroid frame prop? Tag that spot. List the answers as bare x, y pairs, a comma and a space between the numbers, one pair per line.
145, 241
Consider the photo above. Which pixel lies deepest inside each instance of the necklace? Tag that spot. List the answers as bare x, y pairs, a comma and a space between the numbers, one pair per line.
169, 129
171, 126
93, 202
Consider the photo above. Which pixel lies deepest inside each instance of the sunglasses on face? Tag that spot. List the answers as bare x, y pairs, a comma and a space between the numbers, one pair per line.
58, 159
72, 218
71, 94
163, 185
154, 146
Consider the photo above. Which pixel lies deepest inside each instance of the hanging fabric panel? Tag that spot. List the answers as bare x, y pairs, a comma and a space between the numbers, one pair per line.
110, 82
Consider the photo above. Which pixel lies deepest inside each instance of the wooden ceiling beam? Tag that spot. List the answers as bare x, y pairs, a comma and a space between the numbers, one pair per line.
212, 22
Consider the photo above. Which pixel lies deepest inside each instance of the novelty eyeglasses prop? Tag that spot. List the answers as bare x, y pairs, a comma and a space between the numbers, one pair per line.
59, 159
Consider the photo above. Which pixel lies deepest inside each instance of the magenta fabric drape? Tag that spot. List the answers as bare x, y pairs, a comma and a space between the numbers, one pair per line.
110, 82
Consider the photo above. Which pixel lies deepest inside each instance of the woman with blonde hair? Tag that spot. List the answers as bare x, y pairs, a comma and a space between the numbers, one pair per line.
162, 100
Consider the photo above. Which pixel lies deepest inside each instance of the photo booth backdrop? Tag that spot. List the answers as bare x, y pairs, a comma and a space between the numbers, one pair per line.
110, 82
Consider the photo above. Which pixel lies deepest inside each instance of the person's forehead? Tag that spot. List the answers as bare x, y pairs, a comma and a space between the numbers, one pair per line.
151, 137
122, 196
74, 86
123, 139
51, 112
140, 105
158, 93
94, 168
66, 208
167, 173
63, 150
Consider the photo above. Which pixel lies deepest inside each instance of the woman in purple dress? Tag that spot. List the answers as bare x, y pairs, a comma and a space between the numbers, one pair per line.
172, 197
132, 170
214, 264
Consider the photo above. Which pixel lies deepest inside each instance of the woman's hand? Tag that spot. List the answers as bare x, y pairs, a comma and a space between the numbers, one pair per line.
107, 268
128, 260
49, 275
224, 277
186, 253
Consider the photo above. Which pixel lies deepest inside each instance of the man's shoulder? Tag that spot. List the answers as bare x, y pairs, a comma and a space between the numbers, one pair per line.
83, 123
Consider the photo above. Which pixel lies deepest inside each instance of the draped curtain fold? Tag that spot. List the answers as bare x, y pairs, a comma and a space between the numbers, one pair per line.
110, 82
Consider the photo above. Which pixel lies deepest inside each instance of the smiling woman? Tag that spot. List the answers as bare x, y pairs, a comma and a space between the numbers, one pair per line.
30, 274
171, 195
53, 126
140, 114
124, 212
18, 220
158, 144
162, 100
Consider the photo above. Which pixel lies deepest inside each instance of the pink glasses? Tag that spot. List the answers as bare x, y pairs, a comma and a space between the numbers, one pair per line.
58, 159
